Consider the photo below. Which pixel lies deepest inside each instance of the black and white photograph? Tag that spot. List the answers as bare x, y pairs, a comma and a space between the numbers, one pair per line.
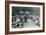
25, 17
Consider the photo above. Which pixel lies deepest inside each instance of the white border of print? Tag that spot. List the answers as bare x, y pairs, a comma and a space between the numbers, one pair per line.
24, 29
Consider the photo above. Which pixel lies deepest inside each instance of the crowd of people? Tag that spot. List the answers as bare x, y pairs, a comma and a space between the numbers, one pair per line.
18, 22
